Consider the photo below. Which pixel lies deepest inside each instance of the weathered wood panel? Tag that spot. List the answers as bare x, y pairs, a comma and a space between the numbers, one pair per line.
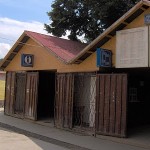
64, 100
9, 93
20, 94
111, 102
31, 95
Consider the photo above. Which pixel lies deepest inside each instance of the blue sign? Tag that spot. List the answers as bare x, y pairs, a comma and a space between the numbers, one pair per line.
104, 58
147, 19
27, 60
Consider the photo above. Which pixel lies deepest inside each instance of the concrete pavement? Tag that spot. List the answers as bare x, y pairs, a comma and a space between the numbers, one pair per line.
69, 140
14, 141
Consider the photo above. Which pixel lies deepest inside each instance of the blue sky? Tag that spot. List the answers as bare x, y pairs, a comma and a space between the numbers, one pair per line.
17, 16
27, 10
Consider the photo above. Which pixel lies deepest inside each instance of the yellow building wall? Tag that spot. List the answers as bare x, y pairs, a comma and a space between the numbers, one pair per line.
111, 44
44, 60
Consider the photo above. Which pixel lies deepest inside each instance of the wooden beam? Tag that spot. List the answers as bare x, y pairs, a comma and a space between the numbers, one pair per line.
109, 36
78, 61
125, 23
14, 52
7, 60
143, 8
90, 52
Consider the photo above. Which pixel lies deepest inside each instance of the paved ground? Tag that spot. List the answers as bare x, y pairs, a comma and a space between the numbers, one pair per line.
65, 139
13, 141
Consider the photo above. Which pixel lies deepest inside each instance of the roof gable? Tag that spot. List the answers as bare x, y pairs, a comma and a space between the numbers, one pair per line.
63, 49
121, 23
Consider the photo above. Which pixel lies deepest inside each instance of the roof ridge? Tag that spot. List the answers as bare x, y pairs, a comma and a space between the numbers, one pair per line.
28, 32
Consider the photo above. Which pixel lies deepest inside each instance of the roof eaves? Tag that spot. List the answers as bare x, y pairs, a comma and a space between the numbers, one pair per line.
13, 51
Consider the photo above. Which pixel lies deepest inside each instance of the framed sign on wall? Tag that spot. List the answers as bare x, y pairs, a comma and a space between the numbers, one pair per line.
27, 60
104, 58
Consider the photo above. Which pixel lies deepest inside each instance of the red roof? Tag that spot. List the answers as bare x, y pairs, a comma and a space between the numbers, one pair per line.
61, 48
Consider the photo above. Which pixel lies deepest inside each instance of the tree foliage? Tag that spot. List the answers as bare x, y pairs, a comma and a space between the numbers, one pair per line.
87, 18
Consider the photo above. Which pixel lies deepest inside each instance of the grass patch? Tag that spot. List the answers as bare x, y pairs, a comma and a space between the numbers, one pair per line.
2, 89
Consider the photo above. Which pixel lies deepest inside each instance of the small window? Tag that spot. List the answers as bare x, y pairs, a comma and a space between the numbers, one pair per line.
133, 95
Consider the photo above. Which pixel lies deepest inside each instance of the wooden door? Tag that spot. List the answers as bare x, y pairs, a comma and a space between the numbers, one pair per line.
9, 93
20, 94
111, 104
31, 95
64, 100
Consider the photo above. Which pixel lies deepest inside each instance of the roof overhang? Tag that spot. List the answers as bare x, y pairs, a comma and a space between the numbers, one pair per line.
14, 50
110, 32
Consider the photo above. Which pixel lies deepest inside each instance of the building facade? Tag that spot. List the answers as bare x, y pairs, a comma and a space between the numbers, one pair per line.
97, 88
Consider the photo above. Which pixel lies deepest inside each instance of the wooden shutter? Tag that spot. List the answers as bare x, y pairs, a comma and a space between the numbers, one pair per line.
31, 95
111, 104
9, 93
20, 94
64, 100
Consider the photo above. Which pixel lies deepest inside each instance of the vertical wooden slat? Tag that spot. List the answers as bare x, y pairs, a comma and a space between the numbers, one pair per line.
10, 93
107, 104
71, 103
55, 102
97, 103
61, 105
59, 102
124, 106
7, 92
101, 103
31, 95
64, 100
118, 105
111, 101
20, 94
12, 96
113, 104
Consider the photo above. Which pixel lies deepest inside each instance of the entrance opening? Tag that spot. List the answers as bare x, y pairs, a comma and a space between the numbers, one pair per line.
46, 94
84, 101
138, 100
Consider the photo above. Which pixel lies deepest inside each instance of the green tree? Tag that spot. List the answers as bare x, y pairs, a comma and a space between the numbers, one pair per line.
87, 18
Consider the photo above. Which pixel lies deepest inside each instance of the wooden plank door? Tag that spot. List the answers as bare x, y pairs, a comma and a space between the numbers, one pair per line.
20, 94
9, 93
31, 95
64, 100
111, 104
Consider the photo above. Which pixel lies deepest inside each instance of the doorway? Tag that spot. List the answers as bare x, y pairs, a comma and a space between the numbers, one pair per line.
138, 100
46, 95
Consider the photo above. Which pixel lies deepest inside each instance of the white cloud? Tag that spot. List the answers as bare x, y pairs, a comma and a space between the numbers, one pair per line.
4, 48
10, 31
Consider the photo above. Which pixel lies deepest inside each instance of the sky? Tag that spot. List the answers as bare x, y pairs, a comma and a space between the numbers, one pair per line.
17, 16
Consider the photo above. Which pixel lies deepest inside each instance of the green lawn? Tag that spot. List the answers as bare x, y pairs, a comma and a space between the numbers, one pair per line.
2, 89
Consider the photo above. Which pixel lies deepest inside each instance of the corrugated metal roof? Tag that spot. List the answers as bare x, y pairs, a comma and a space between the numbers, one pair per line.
62, 48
